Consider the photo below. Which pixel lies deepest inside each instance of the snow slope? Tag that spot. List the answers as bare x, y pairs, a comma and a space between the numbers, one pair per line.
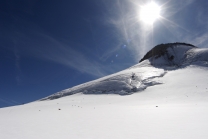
167, 102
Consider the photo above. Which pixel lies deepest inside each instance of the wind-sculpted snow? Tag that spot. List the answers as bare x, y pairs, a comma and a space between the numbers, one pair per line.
122, 83
151, 68
196, 55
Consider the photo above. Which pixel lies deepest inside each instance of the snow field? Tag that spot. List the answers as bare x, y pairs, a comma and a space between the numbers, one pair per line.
175, 109
167, 102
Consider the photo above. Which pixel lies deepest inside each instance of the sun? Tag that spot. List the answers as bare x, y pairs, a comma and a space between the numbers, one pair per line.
149, 13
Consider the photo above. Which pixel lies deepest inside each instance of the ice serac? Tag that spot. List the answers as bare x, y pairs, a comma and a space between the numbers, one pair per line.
148, 72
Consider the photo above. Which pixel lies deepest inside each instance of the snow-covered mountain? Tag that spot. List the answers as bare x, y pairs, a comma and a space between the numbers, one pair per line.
147, 73
169, 99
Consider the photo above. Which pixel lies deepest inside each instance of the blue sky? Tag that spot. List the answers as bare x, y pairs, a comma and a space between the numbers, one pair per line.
47, 46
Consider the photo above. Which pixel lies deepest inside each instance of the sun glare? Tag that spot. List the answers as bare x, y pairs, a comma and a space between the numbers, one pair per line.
149, 13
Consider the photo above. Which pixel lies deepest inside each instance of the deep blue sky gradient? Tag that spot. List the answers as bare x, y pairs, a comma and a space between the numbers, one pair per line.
48, 45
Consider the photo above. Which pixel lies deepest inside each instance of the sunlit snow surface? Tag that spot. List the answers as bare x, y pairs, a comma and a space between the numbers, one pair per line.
175, 108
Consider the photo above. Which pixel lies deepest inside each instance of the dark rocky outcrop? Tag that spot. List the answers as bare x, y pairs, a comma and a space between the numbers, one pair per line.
161, 50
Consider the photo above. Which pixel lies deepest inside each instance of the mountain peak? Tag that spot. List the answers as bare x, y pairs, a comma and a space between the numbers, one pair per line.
161, 50
168, 54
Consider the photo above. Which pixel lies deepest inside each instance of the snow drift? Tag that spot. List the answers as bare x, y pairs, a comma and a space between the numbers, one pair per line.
148, 72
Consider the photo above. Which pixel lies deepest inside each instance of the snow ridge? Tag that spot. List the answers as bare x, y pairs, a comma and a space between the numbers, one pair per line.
130, 81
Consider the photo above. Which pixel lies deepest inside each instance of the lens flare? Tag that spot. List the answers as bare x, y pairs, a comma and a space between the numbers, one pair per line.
150, 12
